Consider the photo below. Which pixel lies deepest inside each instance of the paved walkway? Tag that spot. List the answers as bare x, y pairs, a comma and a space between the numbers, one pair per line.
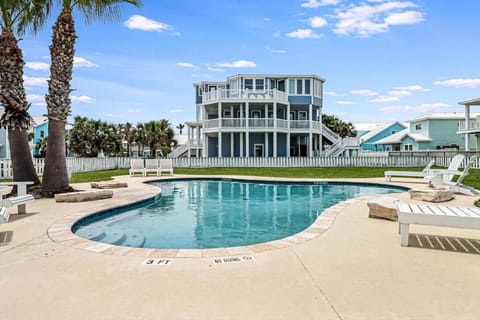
355, 270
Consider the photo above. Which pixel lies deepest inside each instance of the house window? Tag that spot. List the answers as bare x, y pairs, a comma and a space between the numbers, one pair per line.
299, 86
227, 113
255, 113
259, 84
318, 88
258, 150
394, 131
418, 126
408, 147
302, 115
292, 115
249, 84
42, 133
291, 86
307, 86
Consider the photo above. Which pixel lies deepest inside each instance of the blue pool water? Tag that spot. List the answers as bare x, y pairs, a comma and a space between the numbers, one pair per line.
197, 214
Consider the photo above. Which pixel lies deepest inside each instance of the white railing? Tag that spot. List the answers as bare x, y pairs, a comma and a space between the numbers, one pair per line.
95, 164
473, 124
241, 123
244, 94
178, 151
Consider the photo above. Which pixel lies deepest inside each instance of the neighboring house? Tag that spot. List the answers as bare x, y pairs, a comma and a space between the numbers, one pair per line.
473, 128
435, 131
4, 146
255, 115
368, 141
365, 127
40, 132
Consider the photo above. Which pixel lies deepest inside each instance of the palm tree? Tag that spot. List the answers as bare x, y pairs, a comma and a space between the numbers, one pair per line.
128, 136
140, 138
17, 17
153, 136
180, 127
58, 101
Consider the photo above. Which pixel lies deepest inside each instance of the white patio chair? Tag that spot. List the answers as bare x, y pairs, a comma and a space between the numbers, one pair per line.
151, 165
136, 166
415, 174
166, 165
438, 177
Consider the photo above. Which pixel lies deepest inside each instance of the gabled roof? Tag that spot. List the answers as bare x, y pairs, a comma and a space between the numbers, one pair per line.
399, 136
471, 102
38, 120
367, 136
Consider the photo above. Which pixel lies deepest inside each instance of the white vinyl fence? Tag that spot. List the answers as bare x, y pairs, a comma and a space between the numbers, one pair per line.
95, 164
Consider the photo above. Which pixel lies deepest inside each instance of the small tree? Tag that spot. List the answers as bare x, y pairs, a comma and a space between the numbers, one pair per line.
180, 127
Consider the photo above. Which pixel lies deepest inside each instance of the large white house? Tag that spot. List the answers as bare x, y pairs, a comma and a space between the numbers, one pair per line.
259, 115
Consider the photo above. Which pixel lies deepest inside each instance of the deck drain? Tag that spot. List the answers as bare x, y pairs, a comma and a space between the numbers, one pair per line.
233, 259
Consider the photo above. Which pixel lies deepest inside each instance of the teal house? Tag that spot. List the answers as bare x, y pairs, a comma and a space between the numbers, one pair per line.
40, 132
369, 139
436, 131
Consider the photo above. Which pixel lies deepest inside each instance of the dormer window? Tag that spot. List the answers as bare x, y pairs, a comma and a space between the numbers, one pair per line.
259, 84
249, 84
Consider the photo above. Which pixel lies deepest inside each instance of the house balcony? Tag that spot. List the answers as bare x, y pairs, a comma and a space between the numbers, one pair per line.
261, 124
244, 95
473, 126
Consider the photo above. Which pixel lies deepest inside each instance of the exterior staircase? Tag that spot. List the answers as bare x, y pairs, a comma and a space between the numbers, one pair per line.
178, 151
339, 145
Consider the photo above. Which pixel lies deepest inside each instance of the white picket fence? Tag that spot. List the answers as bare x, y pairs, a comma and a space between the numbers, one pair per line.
96, 164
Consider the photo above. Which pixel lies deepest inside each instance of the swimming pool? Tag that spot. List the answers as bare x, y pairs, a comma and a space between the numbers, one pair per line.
219, 213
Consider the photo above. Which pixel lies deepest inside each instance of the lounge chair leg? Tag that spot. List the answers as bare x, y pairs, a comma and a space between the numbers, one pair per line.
22, 208
404, 233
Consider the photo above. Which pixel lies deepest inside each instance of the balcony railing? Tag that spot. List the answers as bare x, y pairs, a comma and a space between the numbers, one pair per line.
473, 124
244, 94
260, 123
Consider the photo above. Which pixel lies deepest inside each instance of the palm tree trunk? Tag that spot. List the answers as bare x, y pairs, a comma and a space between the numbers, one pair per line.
15, 116
55, 178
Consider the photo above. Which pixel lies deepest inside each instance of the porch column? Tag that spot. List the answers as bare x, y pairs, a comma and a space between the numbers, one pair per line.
467, 127
205, 147
274, 129
310, 145
189, 141
241, 144
232, 140
247, 133
266, 146
220, 144
288, 130
198, 139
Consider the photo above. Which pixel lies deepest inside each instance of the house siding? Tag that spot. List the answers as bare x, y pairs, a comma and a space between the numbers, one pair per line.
369, 145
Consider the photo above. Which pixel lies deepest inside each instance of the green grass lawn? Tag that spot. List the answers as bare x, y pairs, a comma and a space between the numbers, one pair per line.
472, 180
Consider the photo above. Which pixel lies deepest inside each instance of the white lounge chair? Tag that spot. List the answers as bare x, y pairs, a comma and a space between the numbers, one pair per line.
416, 174
136, 166
433, 215
20, 200
457, 185
4, 215
151, 165
166, 165
437, 177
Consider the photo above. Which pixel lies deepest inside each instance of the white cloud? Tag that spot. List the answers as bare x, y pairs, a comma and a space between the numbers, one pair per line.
215, 69
34, 82
82, 99
412, 88
364, 92
343, 102
424, 107
275, 50
459, 83
82, 62
317, 22
382, 99
237, 64
184, 64
407, 17
177, 110
365, 19
176, 34
36, 99
303, 34
399, 93
37, 65
333, 94
142, 23
319, 3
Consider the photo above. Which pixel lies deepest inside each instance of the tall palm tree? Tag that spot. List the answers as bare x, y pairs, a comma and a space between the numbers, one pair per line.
140, 138
180, 127
16, 18
58, 101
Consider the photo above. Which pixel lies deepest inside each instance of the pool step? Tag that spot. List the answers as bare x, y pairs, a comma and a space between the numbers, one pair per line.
91, 233
133, 239
115, 238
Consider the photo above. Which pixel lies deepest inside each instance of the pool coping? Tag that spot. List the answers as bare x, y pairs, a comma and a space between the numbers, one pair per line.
61, 230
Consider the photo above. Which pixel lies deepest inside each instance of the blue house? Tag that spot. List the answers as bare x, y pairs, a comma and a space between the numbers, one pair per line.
435, 131
40, 132
369, 139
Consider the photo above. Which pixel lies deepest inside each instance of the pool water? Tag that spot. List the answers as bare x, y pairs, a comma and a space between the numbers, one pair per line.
198, 214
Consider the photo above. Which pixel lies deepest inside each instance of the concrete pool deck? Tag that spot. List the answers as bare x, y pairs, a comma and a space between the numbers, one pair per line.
354, 270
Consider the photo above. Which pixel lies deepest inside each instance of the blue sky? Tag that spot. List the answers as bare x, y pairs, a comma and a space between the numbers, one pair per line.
382, 60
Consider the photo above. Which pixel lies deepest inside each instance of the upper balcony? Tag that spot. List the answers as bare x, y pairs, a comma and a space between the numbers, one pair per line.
252, 124
228, 95
473, 126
